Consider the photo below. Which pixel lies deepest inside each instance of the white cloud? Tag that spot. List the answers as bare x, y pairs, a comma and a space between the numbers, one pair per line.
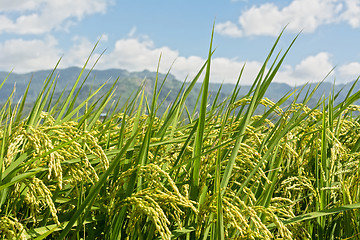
222, 69
42, 16
306, 15
352, 13
187, 67
136, 54
19, 5
350, 71
43, 53
228, 28
317, 66
311, 69
79, 52
28, 55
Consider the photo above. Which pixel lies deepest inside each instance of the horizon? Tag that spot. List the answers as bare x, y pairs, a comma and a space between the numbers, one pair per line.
33, 36
154, 72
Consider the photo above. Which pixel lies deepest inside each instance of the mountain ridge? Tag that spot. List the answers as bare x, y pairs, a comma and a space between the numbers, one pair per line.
130, 81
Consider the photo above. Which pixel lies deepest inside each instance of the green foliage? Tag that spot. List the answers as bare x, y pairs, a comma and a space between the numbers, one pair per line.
242, 168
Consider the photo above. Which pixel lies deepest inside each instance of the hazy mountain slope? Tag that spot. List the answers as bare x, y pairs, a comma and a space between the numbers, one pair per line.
129, 82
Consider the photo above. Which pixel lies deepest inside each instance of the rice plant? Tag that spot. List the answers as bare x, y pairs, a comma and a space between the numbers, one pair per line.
228, 172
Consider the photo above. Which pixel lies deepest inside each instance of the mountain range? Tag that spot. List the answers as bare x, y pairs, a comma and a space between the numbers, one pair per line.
129, 82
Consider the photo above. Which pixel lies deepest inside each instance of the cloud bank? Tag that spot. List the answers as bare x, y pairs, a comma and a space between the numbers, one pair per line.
42, 16
300, 15
135, 54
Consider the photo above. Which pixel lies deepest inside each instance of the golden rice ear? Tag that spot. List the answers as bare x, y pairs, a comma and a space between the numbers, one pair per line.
11, 228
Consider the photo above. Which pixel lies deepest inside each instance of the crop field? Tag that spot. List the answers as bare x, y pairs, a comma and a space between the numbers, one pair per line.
243, 167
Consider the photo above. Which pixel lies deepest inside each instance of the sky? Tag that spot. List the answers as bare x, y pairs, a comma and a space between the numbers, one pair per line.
35, 34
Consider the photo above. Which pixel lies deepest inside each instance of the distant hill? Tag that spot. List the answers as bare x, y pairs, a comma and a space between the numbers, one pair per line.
129, 82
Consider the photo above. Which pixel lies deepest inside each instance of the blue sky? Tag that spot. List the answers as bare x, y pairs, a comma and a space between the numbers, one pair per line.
34, 34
